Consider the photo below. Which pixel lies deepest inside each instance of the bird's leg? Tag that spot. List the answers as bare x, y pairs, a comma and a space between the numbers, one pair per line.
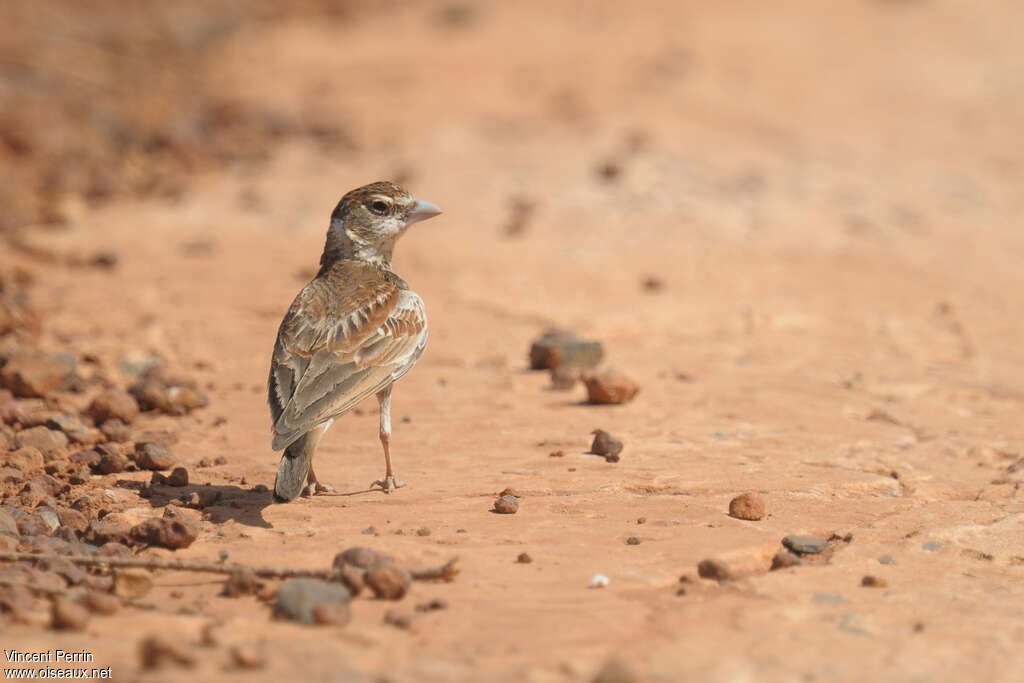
388, 483
313, 485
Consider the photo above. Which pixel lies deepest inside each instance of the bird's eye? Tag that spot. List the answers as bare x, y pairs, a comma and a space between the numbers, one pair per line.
379, 207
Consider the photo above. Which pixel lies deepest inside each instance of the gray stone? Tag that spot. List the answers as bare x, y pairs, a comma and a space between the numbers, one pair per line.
828, 599
297, 599
48, 441
931, 546
806, 545
886, 559
563, 349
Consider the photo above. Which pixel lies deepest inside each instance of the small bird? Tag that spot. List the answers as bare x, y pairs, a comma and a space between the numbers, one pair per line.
353, 331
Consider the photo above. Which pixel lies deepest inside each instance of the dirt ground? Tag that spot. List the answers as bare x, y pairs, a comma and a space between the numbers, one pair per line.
830, 199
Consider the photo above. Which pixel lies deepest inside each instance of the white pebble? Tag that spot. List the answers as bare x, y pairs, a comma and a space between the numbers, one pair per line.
599, 581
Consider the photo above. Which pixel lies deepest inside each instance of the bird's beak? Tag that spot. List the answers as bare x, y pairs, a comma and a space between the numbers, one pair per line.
421, 211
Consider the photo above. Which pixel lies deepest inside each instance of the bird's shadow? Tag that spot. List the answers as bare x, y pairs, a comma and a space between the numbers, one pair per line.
219, 503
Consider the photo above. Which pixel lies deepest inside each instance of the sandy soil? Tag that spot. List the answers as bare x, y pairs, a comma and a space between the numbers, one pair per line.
831, 199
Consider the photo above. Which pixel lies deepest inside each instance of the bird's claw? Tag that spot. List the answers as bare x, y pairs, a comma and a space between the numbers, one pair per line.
316, 488
388, 484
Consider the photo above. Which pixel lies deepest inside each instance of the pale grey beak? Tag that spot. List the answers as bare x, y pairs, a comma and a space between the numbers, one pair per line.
421, 211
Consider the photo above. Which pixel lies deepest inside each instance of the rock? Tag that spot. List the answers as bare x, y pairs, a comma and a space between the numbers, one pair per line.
101, 603
369, 531
116, 430
68, 615
132, 583
11, 475
42, 438
432, 606
113, 462
8, 525
165, 533
524, 558
599, 581
784, 559
605, 444
509, 491
423, 531
203, 498
747, 506
173, 399
332, 614
113, 404
713, 569
506, 505
398, 620
564, 378
153, 456
178, 477
26, 459
805, 545
564, 349
632, 540
241, 582
609, 387
616, 671
388, 581
870, 581
34, 375
50, 519
76, 430
248, 656
103, 532
298, 598
156, 651
360, 557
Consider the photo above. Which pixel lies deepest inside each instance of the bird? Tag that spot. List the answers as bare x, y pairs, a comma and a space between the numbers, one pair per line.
353, 331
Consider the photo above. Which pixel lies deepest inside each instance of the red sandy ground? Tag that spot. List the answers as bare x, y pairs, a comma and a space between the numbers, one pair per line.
831, 195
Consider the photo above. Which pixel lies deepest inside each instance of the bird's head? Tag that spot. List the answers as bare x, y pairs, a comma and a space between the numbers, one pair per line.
368, 220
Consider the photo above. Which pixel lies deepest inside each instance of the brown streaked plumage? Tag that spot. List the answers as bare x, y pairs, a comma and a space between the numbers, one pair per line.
353, 331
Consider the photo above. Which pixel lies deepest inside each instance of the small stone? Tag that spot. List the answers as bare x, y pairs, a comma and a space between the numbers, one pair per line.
398, 620
609, 387
8, 525
360, 557
241, 582
870, 581
828, 599
524, 558
747, 506
68, 615
605, 444
332, 614
886, 559
25, 459
563, 378
369, 531
113, 463
178, 477
297, 598
784, 559
131, 583
616, 671
506, 505
102, 532
713, 569
48, 441
433, 605
156, 651
931, 546
153, 456
248, 656
564, 349
806, 545
165, 533
34, 375
113, 404
641, 520
423, 531
632, 540
50, 519
388, 582
101, 603
220, 460
556, 454
599, 581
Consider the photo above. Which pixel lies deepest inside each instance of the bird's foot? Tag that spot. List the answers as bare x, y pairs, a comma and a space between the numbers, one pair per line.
388, 483
314, 488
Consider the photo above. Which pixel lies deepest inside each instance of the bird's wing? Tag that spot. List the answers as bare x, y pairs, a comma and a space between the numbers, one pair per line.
330, 355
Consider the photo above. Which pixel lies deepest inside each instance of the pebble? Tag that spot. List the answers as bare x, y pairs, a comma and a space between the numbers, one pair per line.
47, 440
131, 583
360, 557
747, 506
806, 545
931, 546
240, 582
524, 558
605, 444
178, 477
25, 459
784, 559
248, 656
8, 525
156, 651
388, 581
153, 456
423, 531
506, 505
101, 603
113, 404
332, 614
398, 620
828, 599
50, 519
34, 375
632, 540
559, 348
599, 581
609, 387
115, 430
886, 559
68, 615
166, 533
113, 463
369, 531
713, 569
297, 598
870, 581
433, 605
616, 671
203, 498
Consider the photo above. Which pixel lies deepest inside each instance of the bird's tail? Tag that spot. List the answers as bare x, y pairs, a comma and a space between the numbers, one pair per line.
295, 463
